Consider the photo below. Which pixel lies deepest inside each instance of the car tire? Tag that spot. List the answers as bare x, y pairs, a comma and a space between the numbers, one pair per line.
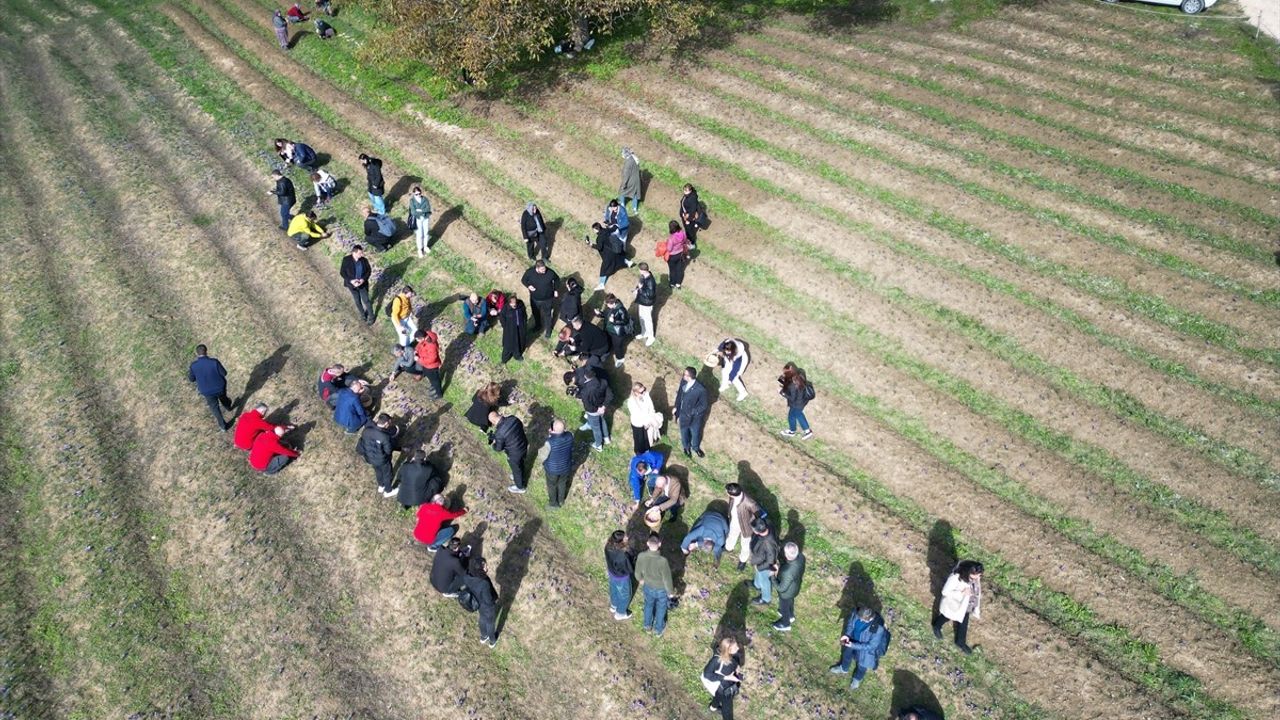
1191, 7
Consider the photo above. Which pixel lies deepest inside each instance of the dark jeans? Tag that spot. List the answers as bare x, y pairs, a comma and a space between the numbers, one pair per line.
516, 463
361, 297
277, 464
285, 216
543, 312
691, 434
675, 268
489, 622
433, 377
722, 702
216, 403
557, 488
618, 343
962, 628
846, 661
537, 244
382, 472
787, 608
640, 439
691, 232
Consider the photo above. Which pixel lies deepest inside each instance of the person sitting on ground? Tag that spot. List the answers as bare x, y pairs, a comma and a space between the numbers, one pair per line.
349, 410
304, 229
296, 14
564, 343
668, 495
708, 532
332, 379
484, 402
268, 455
324, 185
325, 6
379, 229
250, 424
645, 468
475, 315
405, 362
449, 568
435, 526
325, 30
418, 481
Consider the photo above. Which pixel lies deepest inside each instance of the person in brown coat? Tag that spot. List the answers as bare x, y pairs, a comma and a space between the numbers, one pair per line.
742, 511
668, 494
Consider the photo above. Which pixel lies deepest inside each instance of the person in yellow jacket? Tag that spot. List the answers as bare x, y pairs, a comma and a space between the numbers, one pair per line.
303, 228
402, 318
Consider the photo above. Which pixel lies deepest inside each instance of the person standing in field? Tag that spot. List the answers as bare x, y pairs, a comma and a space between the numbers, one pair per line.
646, 421
376, 445
376, 186
619, 563
514, 321
733, 365
764, 558
790, 576
864, 638
646, 297
534, 230
481, 587
348, 409
630, 187
211, 382
653, 572
509, 438
720, 677
250, 424
690, 210
595, 394
677, 254
617, 222
543, 285
743, 511
269, 455
304, 229
798, 391
619, 325
961, 599
427, 351
420, 211
281, 27
558, 464
402, 319
355, 271
435, 523
690, 411
285, 197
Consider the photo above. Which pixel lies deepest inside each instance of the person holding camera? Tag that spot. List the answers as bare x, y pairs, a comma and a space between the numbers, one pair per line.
721, 677
864, 638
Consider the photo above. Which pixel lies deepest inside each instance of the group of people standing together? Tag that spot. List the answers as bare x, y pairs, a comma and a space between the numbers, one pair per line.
735, 524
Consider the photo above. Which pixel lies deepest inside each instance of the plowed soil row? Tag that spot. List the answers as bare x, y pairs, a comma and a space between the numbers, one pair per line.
389, 134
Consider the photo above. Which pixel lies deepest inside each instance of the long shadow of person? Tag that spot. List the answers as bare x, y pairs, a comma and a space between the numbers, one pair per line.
553, 231
441, 459
297, 437
442, 223
661, 399
513, 566
453, 354
733, 623
754, 486
795, 530
399, 189
540, 419
421, 428
262, 372
389, 277
475, 538
280, 415
910, 691
941, 558
859, 591
672, 532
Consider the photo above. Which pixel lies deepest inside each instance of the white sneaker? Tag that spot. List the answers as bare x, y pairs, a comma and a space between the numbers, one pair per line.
650, 341
743, 396
640, 336
390, 493
807, 435
599, 287
617, 616
421, 254
598, 448
619, 363
789, 433
517, 490
608, 441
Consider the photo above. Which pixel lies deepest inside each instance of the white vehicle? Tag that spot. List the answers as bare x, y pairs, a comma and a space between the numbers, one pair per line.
1189, 7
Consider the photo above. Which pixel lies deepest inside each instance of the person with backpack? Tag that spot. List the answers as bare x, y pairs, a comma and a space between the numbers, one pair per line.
595, 394
616, 222
379, 440
481, 588
402, 316
646, 421
557, 463
961, 599
646, 297
534, 231
721, 678
268, 455
449, 568
324, 185
418, 481
304, 229
379, 229
285, 197
866, 640
734, 361
630, 187
427, 351
690, 214
281, 27
798, 391
708, 532
743, 511
348, 410
764, 558
790, 576
376, 185
435, 523
613, 255
420, 219
619, 564
676, 252
509, 438
543, 285
619, 325
356, 272
513, 318
653, 573
211, 382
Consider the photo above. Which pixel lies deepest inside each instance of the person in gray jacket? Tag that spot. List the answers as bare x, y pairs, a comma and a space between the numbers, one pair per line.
630, 187
764, 558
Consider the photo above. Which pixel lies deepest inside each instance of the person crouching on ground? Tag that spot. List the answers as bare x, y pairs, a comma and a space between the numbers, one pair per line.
268, 455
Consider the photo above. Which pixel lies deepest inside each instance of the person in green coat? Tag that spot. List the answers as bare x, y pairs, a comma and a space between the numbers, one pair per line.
630, 187
420, 211
790, 576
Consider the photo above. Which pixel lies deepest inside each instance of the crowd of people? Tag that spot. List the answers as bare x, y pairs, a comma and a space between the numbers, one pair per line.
634, 560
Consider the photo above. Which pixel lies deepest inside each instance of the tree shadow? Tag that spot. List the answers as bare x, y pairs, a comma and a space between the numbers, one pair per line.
513, 566
733, 623
754, 486
399, 190
859, 591
795, 530
941, 558
262, 372
390, 276
475, 538
910, 691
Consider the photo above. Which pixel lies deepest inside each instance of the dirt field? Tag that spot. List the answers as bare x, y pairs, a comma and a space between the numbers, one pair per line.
1028, 263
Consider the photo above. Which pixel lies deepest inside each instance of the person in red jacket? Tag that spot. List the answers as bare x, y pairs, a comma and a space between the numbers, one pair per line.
434, 527
427, 351
268, 455
250, 424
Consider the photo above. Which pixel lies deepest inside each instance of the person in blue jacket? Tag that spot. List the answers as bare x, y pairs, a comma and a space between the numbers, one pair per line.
348, 411
708, 532
475, 314
211, 382
645, 467
865, 638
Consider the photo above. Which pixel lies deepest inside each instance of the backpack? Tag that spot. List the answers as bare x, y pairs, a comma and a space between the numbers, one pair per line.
703, 221
660, 250
468, 601
386, 225
410, 221
809, 392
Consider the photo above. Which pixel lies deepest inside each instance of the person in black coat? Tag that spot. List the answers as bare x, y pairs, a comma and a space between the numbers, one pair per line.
690, 210
285, 196
570, 300
613, 253
484, 402
690, 410
211, 382
514, 322
449, 568
509, 438
356, 271
591, 341
376, 185
376, 444
373, 234
534, 231
418, 481
542, 283
481, 587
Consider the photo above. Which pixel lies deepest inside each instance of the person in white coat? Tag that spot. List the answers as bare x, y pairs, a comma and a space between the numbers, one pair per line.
733, 364
961, 598
646, 421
